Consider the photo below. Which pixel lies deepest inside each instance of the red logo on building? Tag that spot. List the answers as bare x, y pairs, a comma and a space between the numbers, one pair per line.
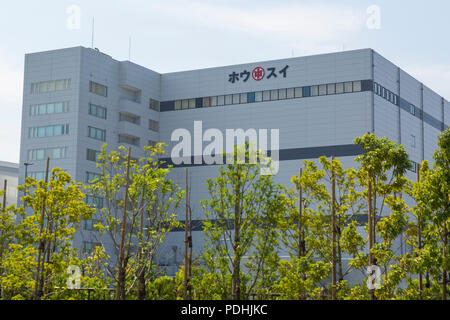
258, 73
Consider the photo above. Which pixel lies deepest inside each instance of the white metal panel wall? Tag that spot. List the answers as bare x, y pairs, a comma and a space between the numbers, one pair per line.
46, 66
318, 69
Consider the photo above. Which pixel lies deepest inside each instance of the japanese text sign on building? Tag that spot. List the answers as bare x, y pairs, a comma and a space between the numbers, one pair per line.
257, 74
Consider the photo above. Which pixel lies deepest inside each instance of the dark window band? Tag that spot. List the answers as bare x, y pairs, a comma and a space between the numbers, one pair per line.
291, 154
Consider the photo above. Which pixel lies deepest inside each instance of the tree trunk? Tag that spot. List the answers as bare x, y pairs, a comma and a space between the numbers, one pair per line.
141, 294
371, 227
38, 280
120, 290
333, 232
444, 270
235, 282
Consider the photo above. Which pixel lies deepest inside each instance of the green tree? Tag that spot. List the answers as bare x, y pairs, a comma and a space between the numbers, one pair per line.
381, 175
432, 194
151, 199
57, 206
240, 214
307, 233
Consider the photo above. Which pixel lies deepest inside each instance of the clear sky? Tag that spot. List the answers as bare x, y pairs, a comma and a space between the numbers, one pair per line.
175, 35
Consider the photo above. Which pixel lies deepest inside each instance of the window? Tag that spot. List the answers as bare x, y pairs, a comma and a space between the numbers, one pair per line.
315, 91
128, 117
236, 98
96, 133
348, 87
213, 101
395, 99
49, 108
178, 105
339, 88
50, 86
266, 95
250, 97
220, 100
153, 125
125, 138
331, 88
89, 224
243, 97
356, 86
92, 155
322, 90
152, 143
98, 88
412, 109
306, 91
413, 141
413, 166
154, 104
38, 175
191, 103
282, 94
273, 95
96, 202
89, 246
290, 93
258, 96
42, 154
185, 104
48, 131
97, 111
228, 99
298, 92
207, 102
91, 176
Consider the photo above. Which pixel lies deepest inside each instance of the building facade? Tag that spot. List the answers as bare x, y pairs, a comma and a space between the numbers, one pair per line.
9, 175
77, 99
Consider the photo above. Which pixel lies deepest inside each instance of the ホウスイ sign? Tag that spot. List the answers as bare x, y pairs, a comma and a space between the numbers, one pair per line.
257, 74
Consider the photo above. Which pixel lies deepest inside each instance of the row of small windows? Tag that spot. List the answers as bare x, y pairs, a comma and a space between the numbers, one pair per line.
98, 89
42, 154
48, 131
37, 175
49, 108
270, 95
392, 97
385, 93
97, 111
50, 86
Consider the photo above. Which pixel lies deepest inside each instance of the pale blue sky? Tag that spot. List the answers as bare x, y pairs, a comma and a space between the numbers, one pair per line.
173, 35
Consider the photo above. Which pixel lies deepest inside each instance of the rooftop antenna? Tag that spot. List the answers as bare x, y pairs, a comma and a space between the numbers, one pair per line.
129, 48
92, 39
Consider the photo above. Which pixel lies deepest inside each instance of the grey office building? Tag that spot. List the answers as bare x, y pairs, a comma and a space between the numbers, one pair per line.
77, 99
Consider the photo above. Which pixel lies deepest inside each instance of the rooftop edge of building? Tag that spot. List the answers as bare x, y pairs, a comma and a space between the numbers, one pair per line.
98, 51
